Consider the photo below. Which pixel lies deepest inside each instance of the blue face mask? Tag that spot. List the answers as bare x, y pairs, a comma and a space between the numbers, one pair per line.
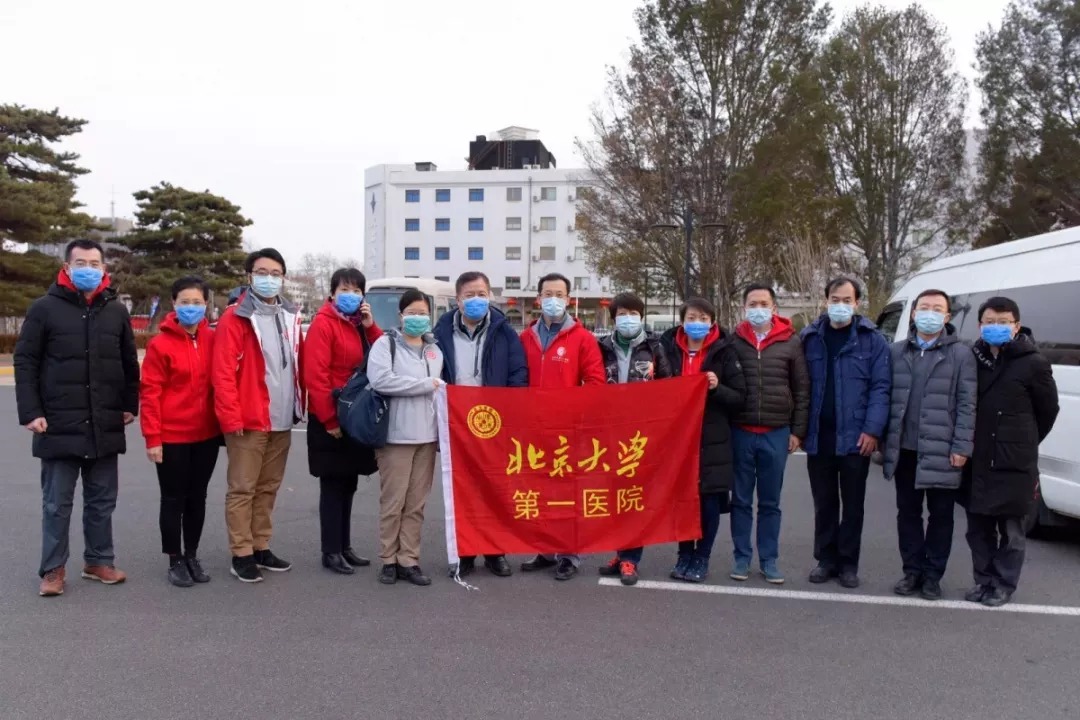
348, 302
475, 308
929, 322
629, 326
87, 279
553, 307
190, 315
840, 313
416, 325
266, 286
696, 330
759, 317
996, 335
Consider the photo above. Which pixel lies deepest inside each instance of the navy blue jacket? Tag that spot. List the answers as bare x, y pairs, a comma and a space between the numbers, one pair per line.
503, 364
862, 378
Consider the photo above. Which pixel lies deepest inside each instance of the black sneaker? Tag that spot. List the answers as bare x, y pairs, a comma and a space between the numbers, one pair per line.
821, 574
498, 566
179, 575
537, 563
414, 575
389, 574
196, 569
849, 579
997, 597
466, 566
267, 560
977, 593
908, 586
931, 589
565, 569
245, 569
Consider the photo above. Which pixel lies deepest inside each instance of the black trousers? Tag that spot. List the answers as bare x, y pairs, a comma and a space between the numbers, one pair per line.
997, 549
838, 484
184, 474
924, 549
335, 511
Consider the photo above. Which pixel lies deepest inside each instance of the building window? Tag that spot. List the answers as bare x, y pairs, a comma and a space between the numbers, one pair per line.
412, 196
581, 283
476, 253
513, 223
579, 253
444, 278
476, 195
547, 193
412, 224
546, 253
442, 253
442, 224
547, 224
412, 253
513, 194
476, 224
513, 253
513, 282
442, 195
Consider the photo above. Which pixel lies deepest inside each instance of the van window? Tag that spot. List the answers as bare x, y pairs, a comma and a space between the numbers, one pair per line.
888, 321
384, 307
1045, 309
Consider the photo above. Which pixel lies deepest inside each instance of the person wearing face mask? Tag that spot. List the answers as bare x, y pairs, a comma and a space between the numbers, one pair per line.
178, 422
930, 438
560, 353
480, 349
341, 334
76, 387
770, 426
630, 355
850, 380
406, 368
258, 397
1017, 407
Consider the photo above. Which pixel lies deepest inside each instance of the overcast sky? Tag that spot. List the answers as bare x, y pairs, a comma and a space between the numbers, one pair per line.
280, 106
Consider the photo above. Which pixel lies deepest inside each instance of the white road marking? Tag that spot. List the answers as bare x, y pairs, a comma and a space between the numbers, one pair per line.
846, 598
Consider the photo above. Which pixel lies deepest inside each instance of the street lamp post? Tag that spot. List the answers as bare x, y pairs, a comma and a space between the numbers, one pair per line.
688, 229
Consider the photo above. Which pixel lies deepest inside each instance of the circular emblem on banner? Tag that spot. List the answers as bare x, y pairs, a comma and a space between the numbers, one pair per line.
484, 422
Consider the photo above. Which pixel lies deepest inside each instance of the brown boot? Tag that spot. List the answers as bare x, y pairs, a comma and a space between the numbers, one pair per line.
53, 583
106, 574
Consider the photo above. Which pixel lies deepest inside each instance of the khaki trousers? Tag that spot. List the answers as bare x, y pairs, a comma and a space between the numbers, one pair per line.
256, 469
405, 473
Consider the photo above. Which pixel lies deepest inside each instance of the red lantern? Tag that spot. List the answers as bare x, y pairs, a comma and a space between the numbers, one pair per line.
574, 301
604, 302
536, 302
511, 302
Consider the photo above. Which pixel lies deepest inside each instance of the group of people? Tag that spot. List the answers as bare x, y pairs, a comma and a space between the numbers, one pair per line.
954, 423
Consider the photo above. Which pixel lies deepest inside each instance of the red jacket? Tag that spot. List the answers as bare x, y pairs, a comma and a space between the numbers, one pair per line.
175, 393
692, 365
332, 351
572, 359
241, 399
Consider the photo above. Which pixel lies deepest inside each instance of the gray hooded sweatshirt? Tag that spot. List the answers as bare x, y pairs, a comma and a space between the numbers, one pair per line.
407, 385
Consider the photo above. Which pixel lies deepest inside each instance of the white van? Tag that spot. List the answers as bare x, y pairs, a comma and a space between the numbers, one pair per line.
1042, 274
383, 296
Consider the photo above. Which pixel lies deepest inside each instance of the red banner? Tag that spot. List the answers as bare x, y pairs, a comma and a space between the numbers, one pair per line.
582, 470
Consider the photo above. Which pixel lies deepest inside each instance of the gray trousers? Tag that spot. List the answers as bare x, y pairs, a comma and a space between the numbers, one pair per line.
100, 485
997, 549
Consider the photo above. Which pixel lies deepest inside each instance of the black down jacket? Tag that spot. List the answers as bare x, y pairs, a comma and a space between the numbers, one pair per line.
777, 378
648, 360
76, 365
1018, 403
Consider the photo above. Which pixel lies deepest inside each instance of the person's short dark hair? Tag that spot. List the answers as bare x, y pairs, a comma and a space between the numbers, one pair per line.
267, 253
347, 276
699, 304
626, 301
933, 293
840, 282
187, 283
83, 244
409, 297
1000, 304
553, 277
759, 286
471, 276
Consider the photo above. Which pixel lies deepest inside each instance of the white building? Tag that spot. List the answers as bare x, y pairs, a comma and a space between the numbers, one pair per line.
515, 225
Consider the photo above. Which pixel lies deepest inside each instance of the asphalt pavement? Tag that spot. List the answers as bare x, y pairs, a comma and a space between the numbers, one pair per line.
310, 644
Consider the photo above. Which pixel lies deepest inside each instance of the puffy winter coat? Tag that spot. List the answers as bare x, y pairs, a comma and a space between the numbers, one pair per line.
947, 414
1018, 404
76, 366
503, 361
648, 360
777, 381
726, 399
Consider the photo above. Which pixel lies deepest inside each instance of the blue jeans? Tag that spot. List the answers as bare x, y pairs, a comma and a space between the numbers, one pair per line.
760, 459
712, 506
100, 484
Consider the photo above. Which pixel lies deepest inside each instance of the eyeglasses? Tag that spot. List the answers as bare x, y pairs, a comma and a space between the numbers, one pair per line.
268, 273
999, 321
96, 264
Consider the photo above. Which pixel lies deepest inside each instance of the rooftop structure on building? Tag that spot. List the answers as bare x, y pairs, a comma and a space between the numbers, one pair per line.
512, 148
